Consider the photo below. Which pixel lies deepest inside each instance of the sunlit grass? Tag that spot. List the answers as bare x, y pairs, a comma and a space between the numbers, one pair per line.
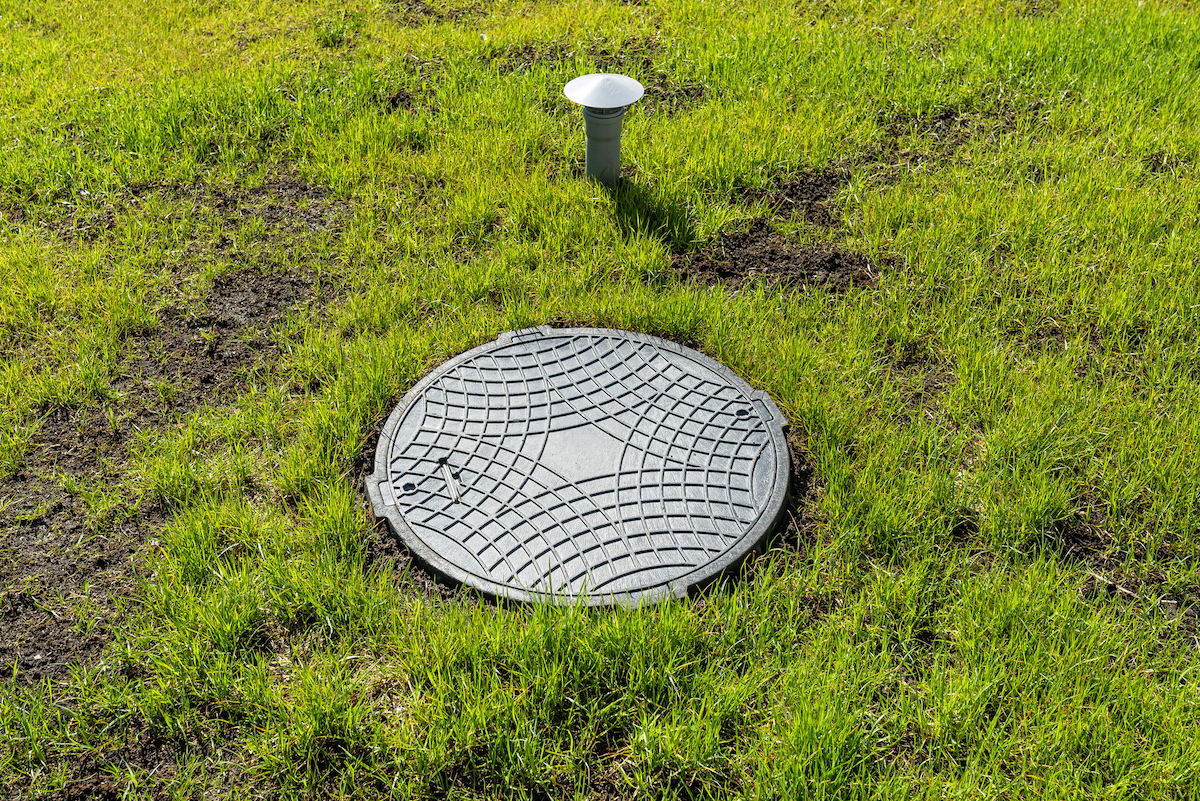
924, 636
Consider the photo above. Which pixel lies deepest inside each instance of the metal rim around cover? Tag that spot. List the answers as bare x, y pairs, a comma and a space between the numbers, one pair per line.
582, 466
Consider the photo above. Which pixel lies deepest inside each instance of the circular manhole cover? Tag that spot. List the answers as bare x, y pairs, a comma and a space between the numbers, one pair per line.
559, 464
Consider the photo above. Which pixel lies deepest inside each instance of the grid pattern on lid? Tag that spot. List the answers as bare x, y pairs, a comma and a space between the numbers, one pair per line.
580, 462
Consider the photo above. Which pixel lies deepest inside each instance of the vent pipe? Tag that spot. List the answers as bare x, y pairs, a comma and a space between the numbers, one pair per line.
604, 98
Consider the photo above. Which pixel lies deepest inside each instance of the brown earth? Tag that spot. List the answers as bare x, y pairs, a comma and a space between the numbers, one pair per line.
67, 565
418, 77
156, 757
623, 55
763, 254
912, 142
808, 196
290, 208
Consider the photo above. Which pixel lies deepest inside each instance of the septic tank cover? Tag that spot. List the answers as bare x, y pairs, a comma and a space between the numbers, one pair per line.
581, 464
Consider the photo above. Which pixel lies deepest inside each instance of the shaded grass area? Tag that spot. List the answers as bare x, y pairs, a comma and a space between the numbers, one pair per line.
956, 244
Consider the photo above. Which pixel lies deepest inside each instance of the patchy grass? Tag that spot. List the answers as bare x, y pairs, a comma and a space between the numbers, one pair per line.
955, 243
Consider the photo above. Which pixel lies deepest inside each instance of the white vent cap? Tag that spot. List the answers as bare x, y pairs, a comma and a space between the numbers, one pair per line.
603, 90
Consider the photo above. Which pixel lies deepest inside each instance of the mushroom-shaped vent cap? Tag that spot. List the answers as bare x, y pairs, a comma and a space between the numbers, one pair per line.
602, 90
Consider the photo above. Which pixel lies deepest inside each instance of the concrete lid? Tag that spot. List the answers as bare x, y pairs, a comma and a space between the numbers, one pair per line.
592, 465
603, 90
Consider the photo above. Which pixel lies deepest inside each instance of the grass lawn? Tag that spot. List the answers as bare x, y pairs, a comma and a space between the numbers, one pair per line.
958, 244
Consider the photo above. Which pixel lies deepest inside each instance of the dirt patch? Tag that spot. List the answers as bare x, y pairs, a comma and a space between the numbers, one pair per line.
208, 356
417, 77
950, 127
1163, 163
67, 533
261, 231
157, 759
248, 299
243, 38
1033, 8
91, 788
54, 566
668, 96
763, 254
400, 100
10, 214
287, 205
808, 196
626, 55
1108, 351
1151, 594
81, 221
63, 569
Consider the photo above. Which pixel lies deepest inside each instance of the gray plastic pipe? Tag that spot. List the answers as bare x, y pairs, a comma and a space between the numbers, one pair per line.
604, 98
603, 127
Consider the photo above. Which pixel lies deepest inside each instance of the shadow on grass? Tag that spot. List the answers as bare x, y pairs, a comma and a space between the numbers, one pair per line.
639, 210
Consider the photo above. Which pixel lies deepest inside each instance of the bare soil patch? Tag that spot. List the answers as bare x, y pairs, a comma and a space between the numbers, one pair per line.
415, 93
287, 203
399, 100
951, 127
1151, 594
1162, 162
808, 196
155, 757
289, 208
667, 96
763, 254
67, 533
1110, 351
1035, 8
624, 55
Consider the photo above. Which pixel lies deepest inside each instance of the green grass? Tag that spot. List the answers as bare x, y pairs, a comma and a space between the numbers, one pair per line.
927, 635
